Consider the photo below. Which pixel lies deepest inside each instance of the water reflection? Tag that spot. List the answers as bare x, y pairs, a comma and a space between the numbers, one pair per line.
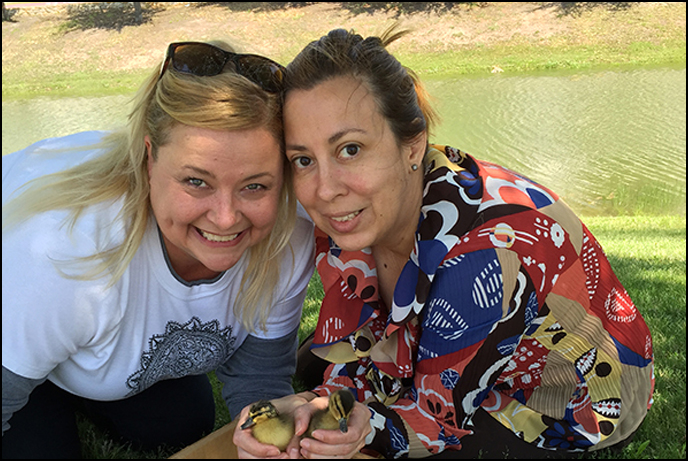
25, 122
607, 142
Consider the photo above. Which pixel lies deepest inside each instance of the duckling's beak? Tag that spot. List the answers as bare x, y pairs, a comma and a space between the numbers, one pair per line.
343, 425
249, 422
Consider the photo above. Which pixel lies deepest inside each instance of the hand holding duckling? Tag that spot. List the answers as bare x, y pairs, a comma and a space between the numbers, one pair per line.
268, 426
327, 417
337, 425
339, 406
276, 414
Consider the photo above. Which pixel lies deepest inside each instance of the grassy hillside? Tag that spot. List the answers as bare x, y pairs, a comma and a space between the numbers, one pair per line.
78, 50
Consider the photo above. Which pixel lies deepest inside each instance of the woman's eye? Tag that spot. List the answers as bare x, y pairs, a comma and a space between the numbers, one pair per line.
255, 187
349, 150
195, 182
301, 162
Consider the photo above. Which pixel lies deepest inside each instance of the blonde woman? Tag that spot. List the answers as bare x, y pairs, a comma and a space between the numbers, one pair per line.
137, 261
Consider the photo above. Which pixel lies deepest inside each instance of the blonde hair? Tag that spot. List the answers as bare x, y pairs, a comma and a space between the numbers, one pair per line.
224, 102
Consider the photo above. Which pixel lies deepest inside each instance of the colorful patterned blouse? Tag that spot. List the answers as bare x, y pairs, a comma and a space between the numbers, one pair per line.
507, 302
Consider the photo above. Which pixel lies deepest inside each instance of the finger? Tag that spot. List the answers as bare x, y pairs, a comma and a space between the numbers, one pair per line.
246, 455
339, 451
293, 446
359, 428
360, 416
336, 437
334, 446
244, 440
300, 424
242, 454
302, 416
293, 452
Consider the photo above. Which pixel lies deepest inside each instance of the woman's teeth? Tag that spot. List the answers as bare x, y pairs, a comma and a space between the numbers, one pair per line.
218, 238
348, 217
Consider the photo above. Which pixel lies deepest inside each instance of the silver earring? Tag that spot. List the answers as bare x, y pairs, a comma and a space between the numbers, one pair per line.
414, 167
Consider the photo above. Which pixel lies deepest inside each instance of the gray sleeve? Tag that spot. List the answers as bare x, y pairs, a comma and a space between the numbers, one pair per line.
259, 369
15, 394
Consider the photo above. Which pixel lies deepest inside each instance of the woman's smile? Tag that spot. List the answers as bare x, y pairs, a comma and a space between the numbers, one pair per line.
218, 238
347, 223
347, 217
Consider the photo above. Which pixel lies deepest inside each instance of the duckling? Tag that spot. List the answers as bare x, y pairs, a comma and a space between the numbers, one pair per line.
268, 426
336, 415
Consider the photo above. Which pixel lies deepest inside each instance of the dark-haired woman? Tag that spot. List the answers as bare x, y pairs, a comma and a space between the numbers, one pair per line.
467, 306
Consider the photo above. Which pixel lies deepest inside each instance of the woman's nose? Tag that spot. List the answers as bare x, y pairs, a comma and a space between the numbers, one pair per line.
330, 183
224, 212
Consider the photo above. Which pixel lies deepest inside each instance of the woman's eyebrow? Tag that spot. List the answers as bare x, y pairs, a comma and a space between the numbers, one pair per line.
200, 171
331, 140
335, 137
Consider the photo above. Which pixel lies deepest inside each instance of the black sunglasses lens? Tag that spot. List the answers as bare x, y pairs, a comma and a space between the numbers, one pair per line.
198, 59
205, 60
262, 71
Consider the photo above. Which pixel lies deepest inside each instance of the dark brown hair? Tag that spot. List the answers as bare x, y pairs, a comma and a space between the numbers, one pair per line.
399, 95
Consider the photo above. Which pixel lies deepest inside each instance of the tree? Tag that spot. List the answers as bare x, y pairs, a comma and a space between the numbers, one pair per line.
138, 13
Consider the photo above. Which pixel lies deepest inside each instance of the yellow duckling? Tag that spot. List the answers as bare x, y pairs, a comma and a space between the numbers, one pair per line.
336, 415
268, 426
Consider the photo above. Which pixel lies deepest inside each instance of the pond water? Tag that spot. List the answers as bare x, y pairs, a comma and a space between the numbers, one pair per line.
607, 142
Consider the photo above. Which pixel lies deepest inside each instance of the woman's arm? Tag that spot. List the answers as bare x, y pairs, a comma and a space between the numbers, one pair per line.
15, 393
259, 369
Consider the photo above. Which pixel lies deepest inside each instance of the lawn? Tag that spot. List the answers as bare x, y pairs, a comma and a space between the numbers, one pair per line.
649, 256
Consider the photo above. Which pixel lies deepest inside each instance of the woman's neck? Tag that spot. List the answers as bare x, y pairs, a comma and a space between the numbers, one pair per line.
392, 254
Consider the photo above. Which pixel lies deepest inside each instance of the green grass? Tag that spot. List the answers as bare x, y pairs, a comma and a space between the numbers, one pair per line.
519, 58
649, 256
477, 60
77, 84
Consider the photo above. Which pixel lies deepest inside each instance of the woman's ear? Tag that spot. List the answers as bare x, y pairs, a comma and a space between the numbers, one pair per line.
417, 148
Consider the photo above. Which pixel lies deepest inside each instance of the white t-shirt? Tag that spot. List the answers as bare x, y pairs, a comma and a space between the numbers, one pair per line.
107, 343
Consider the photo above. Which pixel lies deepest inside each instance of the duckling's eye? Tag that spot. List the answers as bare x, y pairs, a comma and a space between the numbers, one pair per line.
350, 150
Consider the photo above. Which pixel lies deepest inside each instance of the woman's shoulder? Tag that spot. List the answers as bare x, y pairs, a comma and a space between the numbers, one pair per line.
83, 138
98, 226
69, 144
297, 262
97, 229
46, 157
303, 237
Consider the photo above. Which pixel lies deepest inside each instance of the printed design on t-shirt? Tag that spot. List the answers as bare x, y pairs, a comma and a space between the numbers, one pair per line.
182, 350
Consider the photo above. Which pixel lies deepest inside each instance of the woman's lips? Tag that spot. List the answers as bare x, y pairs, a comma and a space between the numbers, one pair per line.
346, 218
218, 239
344, 224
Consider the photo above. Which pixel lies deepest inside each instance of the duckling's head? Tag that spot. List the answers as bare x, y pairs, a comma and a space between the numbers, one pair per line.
260, 411
340, 405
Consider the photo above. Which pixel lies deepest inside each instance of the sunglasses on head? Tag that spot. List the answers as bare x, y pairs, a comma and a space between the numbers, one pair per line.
205, 60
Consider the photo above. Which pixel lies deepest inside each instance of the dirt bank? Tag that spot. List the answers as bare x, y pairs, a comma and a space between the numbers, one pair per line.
51, 44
